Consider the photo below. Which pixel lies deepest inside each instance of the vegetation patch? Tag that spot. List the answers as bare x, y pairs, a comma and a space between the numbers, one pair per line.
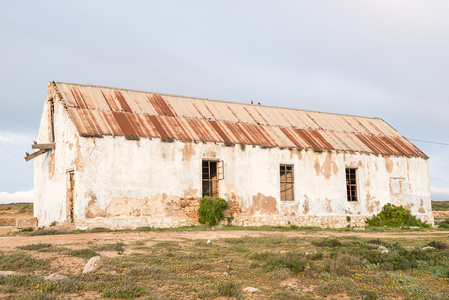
395, 216
19, 261
211, 210
124, 290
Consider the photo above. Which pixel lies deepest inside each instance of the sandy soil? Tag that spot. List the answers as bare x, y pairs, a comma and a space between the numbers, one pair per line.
8, 243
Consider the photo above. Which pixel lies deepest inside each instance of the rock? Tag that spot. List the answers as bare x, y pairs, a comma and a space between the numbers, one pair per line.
382, 249
93, 264
55, 277
23, 223
428, 247
8, 273
250, 289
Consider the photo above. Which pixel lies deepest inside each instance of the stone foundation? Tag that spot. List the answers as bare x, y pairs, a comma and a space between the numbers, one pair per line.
350, 221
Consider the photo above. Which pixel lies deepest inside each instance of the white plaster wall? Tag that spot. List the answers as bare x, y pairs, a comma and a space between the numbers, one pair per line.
145, 170
50, 169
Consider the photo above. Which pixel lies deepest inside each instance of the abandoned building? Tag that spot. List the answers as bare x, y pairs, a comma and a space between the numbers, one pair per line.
118, 158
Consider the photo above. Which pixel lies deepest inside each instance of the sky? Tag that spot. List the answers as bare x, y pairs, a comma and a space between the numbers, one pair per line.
375, 58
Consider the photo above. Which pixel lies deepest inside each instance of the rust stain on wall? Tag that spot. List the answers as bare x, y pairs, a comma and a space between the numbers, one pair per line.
70, 146
188, 151
296, 152
388, 164
264, 204
51, 165
316, 165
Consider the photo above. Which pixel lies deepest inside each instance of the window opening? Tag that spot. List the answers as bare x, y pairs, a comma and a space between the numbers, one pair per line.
71, 196
286, 181
210, 178
52, 121
351, 184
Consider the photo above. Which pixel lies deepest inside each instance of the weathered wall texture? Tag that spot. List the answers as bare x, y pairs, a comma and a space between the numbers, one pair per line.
123, 183
50, 169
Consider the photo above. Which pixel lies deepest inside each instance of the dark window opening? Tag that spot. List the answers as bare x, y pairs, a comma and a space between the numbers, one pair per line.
52, 121
286, 180
351, 184
210, 178
71, 196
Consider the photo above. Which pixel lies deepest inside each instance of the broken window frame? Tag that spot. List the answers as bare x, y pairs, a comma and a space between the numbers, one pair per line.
212, 171
351, 184
287, 183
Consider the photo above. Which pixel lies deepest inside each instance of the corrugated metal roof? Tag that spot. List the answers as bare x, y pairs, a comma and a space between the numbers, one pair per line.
102, 111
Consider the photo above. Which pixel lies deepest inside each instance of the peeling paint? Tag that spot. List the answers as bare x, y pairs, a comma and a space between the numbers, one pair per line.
188, 152
264, 204
421, 208
51, 165
306, 205
78, 161
329, 207
374, 206
212, 154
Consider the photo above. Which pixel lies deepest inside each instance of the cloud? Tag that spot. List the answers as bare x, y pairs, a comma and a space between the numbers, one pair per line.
16, 197
13, 138
439, 194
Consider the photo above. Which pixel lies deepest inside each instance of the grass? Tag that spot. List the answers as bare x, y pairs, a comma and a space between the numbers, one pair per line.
332, 267
440, 205
22, 262
17, 208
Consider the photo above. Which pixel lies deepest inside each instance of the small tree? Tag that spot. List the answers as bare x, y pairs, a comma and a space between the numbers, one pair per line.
395, 216
211, 210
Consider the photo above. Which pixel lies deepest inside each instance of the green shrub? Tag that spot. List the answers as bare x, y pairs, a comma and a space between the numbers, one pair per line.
395, 216
315, 255
328, 242
98, 229
228, 289
124, 291
278, 261
47, 232
83, 253
438, 245
211, 210
35, 247
19, 261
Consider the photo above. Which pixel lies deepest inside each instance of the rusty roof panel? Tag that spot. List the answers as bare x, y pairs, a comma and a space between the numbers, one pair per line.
112, 123
210, 131
89, 124
77, 120
109, 111
101, 124
124, 124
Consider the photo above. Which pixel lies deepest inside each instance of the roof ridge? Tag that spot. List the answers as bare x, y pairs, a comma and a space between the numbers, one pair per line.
215, 100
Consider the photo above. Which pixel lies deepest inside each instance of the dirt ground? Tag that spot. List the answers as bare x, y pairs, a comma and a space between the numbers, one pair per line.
8, 243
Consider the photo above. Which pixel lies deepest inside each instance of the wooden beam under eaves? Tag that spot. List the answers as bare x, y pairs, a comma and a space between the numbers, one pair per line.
36, 154
43, 146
